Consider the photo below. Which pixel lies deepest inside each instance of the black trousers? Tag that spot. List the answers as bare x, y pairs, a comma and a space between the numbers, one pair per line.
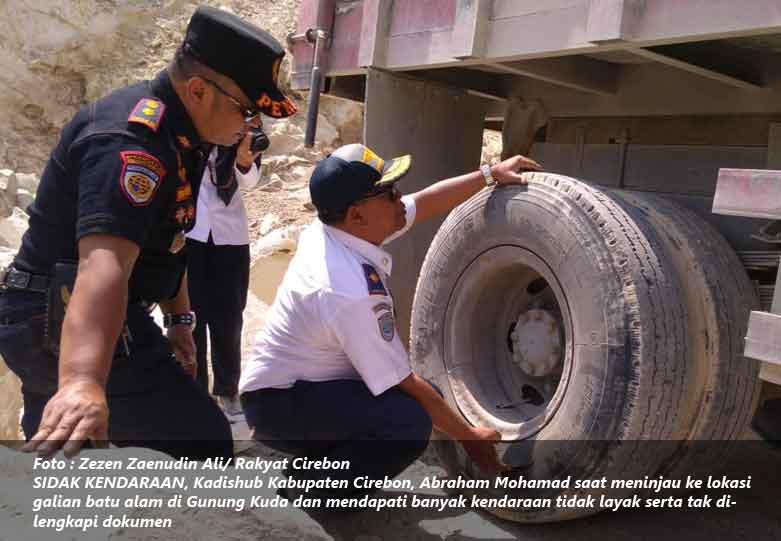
152, 402
218, 279
341, 420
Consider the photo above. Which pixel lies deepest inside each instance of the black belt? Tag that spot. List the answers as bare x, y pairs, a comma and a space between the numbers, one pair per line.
15, 279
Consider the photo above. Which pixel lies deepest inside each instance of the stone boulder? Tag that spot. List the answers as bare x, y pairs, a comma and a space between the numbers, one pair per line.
346, 115
28, 181
12, 228
8, 189
327, 134
24, 198
492, 147
286, 138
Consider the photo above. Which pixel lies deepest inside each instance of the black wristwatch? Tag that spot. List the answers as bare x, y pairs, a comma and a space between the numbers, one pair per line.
186, 318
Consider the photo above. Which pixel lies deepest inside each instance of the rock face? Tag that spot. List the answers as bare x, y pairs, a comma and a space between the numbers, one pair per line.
57, 56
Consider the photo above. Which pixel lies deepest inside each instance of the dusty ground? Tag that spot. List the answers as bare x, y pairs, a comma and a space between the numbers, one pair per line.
756, 517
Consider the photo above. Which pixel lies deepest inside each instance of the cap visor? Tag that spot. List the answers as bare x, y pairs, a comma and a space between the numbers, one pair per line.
394, 170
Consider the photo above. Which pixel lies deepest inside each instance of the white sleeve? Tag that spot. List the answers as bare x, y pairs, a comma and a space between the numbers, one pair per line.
367, 332
249, 179
409, 215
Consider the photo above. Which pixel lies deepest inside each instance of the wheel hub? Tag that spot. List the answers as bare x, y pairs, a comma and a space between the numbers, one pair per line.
536, 342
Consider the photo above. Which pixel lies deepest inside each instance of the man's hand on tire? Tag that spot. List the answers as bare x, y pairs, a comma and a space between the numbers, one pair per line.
508, 171
482, 451
77, 413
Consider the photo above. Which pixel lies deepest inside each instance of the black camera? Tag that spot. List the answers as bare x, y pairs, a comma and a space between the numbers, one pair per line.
259, 141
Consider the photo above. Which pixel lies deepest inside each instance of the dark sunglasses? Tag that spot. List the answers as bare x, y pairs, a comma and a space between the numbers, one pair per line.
250, 114
392, 193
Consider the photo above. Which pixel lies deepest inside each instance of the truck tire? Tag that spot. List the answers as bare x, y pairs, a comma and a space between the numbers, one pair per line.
723, 388
547, 312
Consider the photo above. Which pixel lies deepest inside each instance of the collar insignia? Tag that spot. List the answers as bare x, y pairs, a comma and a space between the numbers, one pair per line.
149, 112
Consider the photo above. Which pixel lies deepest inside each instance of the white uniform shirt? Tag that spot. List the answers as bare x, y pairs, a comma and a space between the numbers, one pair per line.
227, 223
332, 317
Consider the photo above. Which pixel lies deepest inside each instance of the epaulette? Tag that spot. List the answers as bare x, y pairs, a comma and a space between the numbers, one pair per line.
149, 112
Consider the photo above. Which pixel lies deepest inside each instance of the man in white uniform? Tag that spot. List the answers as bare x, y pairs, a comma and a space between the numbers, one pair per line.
218, 268
329, 376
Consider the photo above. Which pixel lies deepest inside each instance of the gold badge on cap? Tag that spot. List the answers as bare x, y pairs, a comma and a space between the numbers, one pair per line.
372, 160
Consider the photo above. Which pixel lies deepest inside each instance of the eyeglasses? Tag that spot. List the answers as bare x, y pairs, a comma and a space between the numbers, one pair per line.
250, 114
392, 193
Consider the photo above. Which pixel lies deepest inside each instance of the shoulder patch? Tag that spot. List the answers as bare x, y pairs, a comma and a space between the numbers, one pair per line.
373, 281
149, 112
141, 176
387, 326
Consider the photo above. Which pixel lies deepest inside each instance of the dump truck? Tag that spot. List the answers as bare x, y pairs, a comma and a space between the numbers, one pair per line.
614, 317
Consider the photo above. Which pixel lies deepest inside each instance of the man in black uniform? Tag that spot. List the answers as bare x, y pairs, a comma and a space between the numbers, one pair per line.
112, 207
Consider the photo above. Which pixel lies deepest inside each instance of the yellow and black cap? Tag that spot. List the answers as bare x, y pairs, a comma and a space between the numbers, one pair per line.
351, 173
245, 53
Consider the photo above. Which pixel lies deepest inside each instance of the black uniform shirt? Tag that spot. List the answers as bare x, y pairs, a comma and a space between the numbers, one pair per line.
127, 165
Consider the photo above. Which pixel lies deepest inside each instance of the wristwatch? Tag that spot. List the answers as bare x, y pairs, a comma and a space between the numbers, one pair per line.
485, 169
186, 318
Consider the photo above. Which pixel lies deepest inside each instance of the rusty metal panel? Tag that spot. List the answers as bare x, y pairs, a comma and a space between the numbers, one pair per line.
672, 19
610, 20
343, 21
302, 50
421, 32
504, 9
470, 28
414, 16
374, 33
346, 41
763, 339
748, 192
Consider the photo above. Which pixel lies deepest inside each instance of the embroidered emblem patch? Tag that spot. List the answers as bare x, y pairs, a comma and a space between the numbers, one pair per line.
373, 281
387, 326
141, 175
148, 112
